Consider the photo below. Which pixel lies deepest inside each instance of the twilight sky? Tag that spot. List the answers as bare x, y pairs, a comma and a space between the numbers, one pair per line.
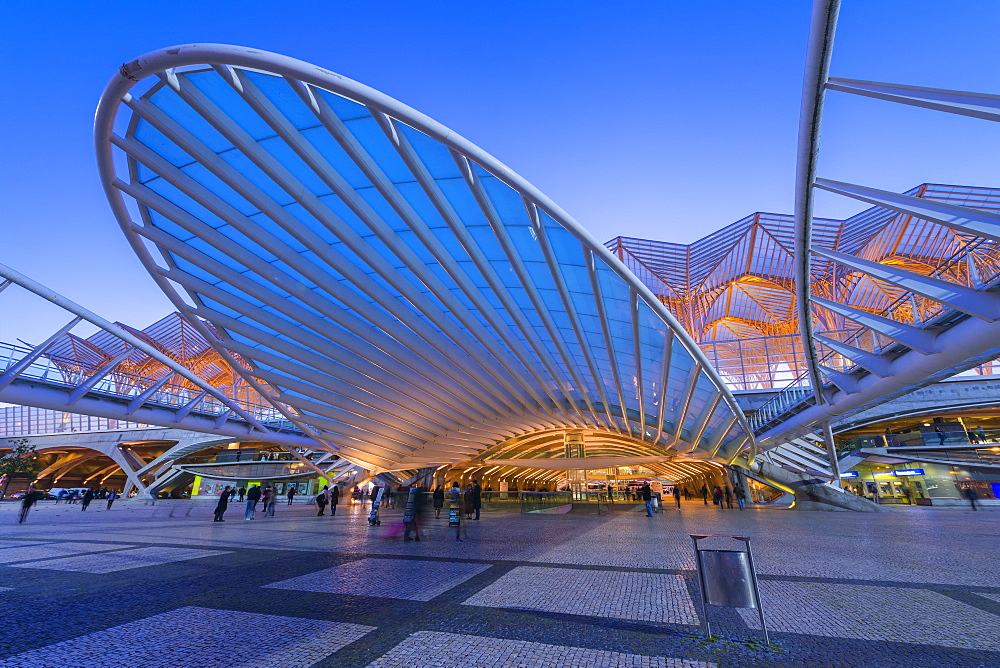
660, 119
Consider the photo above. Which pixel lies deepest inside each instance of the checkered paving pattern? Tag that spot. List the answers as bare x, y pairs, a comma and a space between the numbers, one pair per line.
198, 638
416, 580
650, 597
120, 561
913, 587
450, 650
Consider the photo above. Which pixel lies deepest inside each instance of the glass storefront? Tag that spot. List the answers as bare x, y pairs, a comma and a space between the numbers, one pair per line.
919, 483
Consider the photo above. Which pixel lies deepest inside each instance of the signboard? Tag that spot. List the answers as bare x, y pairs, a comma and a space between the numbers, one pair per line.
849, 474
906, 472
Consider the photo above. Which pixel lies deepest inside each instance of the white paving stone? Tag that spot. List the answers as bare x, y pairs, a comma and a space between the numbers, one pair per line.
120, 561
650, 597
868, 612
413, 579
53, 550
429, 649
198, 638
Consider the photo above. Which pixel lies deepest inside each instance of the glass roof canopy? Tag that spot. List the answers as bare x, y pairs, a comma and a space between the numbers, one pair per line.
397, 292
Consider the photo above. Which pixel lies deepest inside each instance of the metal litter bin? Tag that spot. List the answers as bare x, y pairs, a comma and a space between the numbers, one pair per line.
727, 579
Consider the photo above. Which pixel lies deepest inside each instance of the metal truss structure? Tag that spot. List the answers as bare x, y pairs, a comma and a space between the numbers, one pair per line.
126, 376
843, 314
734, 290
390, 288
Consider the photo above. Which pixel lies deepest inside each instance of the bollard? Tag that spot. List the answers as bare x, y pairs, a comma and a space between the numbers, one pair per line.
728, 579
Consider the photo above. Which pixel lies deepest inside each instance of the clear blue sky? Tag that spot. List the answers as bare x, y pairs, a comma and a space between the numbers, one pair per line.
658, 119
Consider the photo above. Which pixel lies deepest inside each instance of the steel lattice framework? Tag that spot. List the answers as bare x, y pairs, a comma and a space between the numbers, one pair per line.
734, 290
394, 290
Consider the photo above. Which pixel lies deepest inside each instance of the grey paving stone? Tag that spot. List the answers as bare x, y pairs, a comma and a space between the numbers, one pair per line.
120, 561
198, 638
416, 580
651, 597
449, 650
53, 550
894, 614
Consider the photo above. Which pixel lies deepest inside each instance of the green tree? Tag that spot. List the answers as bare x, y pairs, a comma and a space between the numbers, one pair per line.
21, 462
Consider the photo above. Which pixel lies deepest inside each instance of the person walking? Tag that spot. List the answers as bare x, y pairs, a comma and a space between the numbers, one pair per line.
704, 493
729, 497
677, 496
412, 513
220, 508
242, 493
971, 495
438, 498
647, 497
269, 497
477, 498
253, 496
334, 499
741, 497
467, 503
717, 497
112, 495
30, 496
291, 493
87, 498
455, 503
940, 435
322, 499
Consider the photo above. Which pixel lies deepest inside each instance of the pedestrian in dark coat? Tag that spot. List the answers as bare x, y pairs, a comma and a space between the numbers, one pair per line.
112, 495
704, 494
334, 499
223, 504
321, 500
677, 496
467, 503
438, 501
477, 498
647, 496
87, 498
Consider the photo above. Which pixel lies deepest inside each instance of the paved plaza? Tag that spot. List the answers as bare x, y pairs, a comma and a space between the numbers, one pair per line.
158, 585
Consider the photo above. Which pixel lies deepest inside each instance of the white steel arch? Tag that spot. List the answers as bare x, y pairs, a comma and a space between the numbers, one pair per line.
412, 300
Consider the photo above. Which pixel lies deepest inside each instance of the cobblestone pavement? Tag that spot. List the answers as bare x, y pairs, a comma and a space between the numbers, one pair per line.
163, 585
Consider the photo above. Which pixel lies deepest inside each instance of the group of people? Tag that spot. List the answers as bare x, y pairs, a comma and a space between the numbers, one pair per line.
470, 502
723, 496
268, 496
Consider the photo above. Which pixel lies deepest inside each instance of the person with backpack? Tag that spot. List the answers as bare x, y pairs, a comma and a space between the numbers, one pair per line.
112, 495
322, 499
291, 493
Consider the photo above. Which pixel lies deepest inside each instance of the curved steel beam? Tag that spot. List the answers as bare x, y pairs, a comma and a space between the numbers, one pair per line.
822, 30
